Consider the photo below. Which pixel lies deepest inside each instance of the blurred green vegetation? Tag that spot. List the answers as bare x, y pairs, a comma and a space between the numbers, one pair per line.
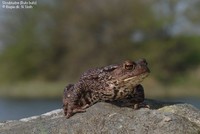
56, 42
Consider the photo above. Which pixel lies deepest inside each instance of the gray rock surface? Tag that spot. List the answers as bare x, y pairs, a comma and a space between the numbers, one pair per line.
105, 118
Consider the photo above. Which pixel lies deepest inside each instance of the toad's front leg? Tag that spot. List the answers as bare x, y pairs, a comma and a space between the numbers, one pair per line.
135, 99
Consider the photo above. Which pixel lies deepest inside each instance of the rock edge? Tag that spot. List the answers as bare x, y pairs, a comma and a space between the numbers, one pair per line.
103, 117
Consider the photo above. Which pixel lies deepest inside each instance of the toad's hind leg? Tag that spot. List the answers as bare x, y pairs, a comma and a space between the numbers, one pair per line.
137, 98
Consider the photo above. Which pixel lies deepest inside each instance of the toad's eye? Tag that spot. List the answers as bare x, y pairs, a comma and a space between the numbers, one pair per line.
129, 65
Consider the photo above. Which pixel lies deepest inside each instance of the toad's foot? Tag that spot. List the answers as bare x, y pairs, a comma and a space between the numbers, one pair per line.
140, 105
80, 109
76, 110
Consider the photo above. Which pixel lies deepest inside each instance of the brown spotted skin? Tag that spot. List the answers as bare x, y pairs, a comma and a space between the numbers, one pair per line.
120, 82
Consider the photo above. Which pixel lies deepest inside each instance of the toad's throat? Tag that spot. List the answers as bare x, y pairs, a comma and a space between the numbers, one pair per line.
141, 77
130, 78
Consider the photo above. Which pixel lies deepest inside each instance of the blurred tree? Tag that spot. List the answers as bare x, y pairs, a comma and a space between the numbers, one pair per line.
64, 38
173, 57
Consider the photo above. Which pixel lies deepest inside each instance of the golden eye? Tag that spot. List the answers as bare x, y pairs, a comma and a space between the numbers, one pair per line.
129, 65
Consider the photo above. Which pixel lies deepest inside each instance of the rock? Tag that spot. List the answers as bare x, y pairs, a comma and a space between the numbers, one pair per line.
163, 118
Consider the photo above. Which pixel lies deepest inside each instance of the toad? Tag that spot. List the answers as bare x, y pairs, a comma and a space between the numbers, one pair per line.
116, 82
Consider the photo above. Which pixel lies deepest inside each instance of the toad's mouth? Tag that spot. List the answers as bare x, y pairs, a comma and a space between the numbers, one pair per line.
141, 76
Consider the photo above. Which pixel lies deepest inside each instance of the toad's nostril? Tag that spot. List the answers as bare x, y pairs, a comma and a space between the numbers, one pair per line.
142, 61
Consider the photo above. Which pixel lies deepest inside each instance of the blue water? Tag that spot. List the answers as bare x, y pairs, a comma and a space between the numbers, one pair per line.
193, 101
17, 109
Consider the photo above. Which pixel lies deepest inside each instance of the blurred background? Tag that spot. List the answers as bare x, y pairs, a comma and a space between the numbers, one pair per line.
47, 47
